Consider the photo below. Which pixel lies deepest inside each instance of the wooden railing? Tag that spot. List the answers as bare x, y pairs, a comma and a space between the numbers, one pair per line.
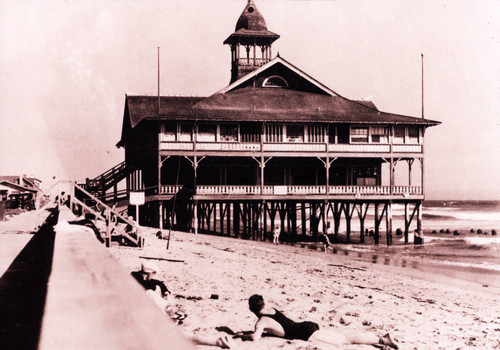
294, 147
288, 147
228, 190
228, 146
170, 189
297, 190
252, 61
359, 148
361, 190
411, 190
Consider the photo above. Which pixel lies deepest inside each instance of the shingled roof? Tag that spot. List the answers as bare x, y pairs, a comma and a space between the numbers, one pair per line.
240, 102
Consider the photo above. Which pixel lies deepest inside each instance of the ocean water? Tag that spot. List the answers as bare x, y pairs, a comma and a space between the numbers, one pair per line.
472, 253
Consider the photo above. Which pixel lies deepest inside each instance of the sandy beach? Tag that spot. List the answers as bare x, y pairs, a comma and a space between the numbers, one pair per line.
212, 277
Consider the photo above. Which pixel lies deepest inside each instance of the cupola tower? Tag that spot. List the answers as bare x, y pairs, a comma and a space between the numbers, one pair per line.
250, 43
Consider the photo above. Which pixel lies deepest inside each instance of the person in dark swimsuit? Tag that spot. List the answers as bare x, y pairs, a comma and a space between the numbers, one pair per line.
274, 322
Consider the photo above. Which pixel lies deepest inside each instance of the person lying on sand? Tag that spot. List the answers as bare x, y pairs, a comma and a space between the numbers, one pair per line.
272, 321
157, 290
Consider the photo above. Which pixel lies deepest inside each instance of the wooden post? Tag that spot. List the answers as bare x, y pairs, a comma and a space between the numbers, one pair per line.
303, 218
388, 220
293, 213
419, 217
229, 204
236, 218
337, 213
362, 215
263, 221
391, 165
376, 234
160, 214
195, 217
407, 222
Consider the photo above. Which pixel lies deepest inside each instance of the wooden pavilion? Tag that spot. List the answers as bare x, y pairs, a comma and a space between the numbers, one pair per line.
275, 145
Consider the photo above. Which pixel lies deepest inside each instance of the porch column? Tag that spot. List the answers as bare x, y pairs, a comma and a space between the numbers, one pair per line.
392, 175
195, 204
254, 55
262, 166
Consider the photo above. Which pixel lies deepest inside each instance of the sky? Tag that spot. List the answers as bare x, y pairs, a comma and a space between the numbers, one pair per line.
66, 66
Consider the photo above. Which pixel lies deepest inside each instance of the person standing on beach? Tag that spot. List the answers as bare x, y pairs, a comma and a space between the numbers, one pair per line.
273, 322
326, 241
276, 234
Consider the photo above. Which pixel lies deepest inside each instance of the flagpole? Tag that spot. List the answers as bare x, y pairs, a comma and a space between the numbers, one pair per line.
158, 80
422, 85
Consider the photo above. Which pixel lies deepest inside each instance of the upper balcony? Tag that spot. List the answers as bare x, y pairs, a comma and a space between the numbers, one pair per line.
290, 138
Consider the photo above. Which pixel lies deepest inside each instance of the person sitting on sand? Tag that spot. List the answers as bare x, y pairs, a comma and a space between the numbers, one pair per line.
276, 234
273, 322
156, 289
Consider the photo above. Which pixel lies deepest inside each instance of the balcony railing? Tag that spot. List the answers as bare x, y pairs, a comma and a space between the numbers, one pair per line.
298, 190
360, 190
359, 148
252, 61
287, 147
407, 190
228, 146
170, 189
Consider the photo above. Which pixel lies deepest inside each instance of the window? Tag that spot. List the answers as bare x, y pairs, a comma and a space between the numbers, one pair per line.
316, 133
379, 134
168, 132
399, 134
413, 133
228, 132
295, 133
185, 132
206, 132
275, 81
274, 133
359, 134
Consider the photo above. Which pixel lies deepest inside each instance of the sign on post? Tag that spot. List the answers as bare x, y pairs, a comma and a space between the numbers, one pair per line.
137, 198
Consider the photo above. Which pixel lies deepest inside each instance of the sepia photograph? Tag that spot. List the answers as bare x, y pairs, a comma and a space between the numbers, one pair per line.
249, 174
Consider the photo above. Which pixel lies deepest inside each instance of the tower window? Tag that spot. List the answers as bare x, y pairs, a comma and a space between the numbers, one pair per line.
275, 81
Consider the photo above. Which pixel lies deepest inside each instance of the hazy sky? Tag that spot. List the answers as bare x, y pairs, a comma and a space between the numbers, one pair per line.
65, 67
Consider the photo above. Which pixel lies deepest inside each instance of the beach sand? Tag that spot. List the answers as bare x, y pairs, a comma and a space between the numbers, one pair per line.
212, 277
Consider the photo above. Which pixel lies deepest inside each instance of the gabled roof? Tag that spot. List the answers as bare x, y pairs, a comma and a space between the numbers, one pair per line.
306, 101
268, 66
30, 181
16, 186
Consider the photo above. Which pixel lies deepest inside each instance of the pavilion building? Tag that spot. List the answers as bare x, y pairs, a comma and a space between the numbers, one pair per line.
274, 146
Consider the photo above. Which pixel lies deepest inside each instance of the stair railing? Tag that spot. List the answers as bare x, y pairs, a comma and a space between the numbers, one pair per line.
108, 215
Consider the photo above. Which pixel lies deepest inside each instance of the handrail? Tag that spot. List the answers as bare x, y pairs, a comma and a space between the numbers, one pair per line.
115, 213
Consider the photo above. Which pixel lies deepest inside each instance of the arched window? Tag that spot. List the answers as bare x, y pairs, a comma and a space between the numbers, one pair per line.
275, 81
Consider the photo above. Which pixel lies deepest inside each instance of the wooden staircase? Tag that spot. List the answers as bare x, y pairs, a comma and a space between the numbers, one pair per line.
110, 178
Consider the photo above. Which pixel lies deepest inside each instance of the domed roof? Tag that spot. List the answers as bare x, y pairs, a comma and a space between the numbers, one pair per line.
251, 19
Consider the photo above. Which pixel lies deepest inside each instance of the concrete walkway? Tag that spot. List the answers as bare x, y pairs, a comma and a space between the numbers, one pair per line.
94, 303
66, 291
16, 233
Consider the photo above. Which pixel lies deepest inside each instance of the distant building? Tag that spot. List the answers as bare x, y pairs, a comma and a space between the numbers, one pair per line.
275, 145
20, 190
